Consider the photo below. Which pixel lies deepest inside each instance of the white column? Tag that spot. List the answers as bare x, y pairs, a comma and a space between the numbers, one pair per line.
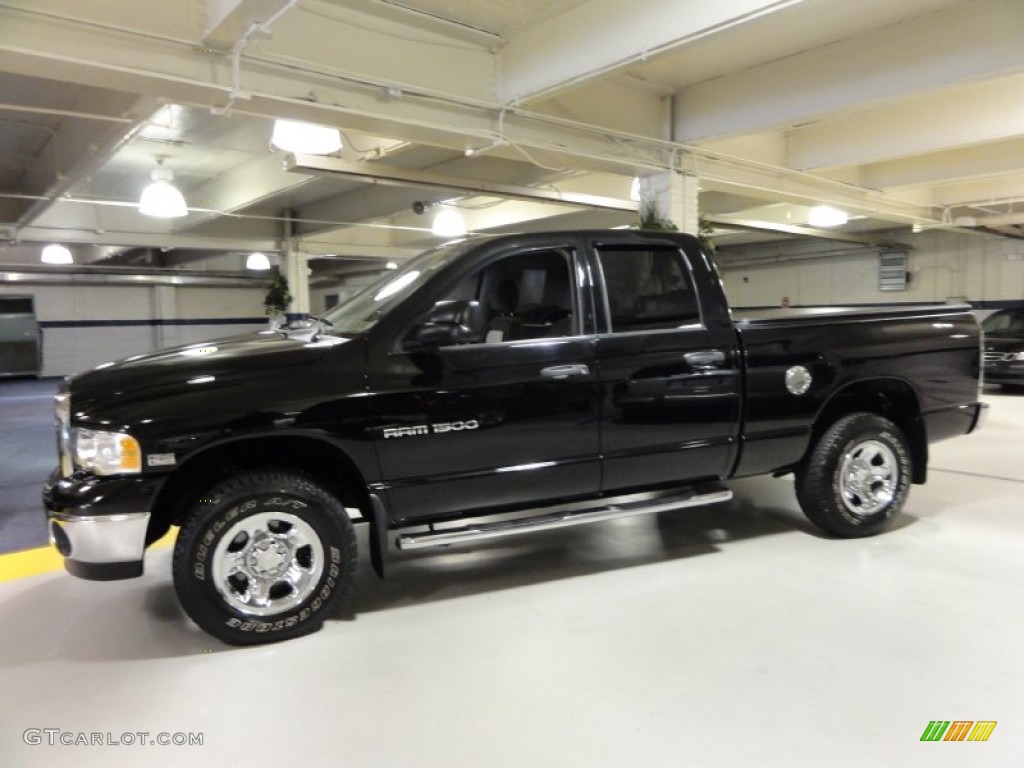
295, 268
165, 308
296, 271
676, 196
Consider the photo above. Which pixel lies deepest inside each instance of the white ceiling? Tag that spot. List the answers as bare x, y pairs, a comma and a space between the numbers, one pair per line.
901, 113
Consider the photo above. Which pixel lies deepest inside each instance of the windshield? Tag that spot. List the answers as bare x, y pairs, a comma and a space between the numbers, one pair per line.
1006, 321
362, 311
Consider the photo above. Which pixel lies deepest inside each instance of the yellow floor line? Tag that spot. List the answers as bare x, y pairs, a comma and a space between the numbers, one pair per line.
30, 562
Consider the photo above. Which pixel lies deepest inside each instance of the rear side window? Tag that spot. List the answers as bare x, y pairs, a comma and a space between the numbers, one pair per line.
648, 288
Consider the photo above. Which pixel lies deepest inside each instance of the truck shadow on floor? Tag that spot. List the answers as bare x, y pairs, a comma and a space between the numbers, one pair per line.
490, 566
498, 564
59, 617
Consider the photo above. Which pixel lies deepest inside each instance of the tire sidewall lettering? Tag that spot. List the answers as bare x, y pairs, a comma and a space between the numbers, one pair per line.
304, 613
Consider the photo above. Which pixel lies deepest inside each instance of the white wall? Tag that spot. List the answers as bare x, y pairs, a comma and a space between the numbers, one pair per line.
943, 267
343, 289
84, 325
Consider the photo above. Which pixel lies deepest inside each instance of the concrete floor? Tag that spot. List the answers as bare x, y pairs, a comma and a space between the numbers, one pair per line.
733, 636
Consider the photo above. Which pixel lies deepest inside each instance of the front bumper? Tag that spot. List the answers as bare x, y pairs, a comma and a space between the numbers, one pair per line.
99, 524
1004, 373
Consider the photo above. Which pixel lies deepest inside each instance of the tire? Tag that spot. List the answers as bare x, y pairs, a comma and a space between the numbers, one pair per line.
264, 556
857, 476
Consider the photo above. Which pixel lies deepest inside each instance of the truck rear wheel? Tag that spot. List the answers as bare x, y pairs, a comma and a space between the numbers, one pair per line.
264, 556
857, 476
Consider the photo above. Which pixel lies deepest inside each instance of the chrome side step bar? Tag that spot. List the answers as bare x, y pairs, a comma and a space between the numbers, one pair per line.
565, 515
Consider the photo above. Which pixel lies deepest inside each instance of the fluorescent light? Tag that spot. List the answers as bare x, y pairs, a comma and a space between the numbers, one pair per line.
391, 265
827, 216
448, 223
161, 198
306, 138
56, 254
257, 261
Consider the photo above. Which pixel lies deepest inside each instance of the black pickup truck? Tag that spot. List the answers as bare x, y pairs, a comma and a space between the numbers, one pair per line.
491, 387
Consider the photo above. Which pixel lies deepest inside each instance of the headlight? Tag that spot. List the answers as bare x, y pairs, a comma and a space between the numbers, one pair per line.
106, 453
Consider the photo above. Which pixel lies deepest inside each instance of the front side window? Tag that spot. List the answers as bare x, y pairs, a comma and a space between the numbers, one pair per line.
366, 308
524, 296
648, 288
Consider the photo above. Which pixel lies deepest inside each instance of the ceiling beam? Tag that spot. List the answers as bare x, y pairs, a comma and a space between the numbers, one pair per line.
373, 201
79, 147
181, 70
1003, 220
129, 238
274, 85
426, 21
972, 162
968, 41
601, 36
980, 193
790, 229
774, 184
228, 21
932, 122
244, 186
376, 173
613, 105
124, 45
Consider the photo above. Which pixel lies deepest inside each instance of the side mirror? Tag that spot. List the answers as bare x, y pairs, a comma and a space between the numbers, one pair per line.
447, 323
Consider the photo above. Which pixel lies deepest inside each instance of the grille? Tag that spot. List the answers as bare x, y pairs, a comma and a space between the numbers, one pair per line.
1000, 357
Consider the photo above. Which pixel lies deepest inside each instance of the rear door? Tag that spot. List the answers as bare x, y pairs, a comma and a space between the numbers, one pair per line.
669, 367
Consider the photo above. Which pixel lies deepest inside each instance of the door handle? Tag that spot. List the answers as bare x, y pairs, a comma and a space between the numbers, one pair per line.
564, 371
705, 359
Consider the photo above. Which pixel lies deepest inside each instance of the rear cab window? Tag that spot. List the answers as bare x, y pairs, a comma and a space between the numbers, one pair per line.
648, 287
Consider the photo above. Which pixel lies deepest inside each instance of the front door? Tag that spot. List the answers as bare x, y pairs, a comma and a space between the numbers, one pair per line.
508, 420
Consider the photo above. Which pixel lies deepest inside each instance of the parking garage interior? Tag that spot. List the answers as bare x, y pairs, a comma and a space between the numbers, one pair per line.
828, 154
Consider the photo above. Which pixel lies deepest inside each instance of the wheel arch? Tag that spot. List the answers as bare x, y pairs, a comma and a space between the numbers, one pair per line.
891, 398
323, 461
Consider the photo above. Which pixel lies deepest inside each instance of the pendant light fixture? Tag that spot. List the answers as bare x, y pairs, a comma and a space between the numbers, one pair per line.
161, 198
305, 138
448, 222
827, 216
258, 262
56, 254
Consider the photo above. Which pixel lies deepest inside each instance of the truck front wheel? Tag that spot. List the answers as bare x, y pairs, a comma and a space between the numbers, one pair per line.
264, 556
857, 476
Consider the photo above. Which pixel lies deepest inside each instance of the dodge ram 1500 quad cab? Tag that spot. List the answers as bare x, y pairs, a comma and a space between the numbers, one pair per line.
491, 387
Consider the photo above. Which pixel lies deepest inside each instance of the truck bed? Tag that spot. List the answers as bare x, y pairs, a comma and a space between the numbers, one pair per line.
816, 315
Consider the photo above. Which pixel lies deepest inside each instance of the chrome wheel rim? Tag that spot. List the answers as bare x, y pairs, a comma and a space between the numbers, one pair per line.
868, 477
267, 563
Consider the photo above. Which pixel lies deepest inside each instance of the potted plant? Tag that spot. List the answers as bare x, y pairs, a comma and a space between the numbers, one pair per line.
277, 299
706, 235
649, 217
